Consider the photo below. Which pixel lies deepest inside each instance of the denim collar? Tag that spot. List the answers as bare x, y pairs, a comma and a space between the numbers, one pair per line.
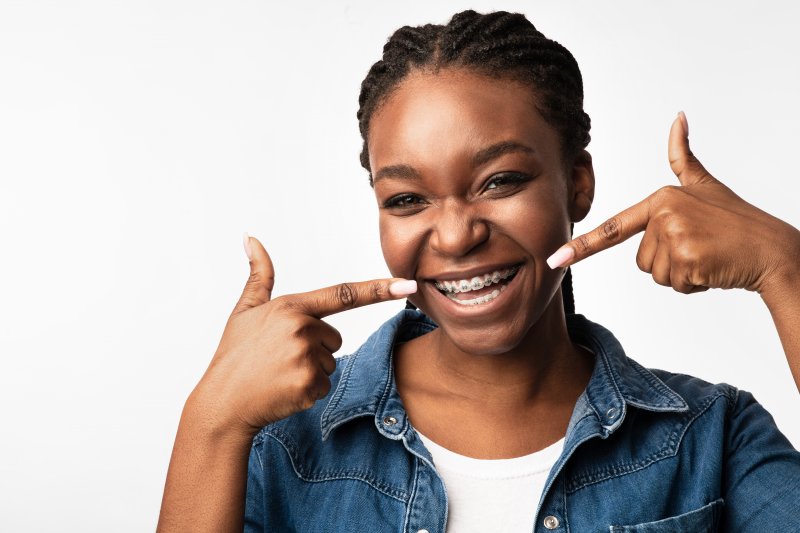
367, 386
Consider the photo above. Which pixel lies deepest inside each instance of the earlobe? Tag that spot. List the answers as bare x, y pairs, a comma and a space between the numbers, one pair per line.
581, 188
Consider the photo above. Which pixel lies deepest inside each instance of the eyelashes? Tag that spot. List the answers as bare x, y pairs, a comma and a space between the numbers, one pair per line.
506, 179
497, 186
402, 201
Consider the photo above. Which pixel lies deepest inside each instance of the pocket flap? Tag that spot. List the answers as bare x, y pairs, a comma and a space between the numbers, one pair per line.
703, 520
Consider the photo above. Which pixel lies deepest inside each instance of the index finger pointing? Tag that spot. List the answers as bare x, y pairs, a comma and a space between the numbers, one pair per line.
610, 233
338, 298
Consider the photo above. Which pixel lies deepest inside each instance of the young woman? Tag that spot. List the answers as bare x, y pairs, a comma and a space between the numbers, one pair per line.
493, 406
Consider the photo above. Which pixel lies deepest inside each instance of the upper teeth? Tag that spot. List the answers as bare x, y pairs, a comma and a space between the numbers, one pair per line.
478, 282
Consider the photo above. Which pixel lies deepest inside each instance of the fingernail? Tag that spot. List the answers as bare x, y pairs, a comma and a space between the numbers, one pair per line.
246, 242
684, 122
403, 287
561, 256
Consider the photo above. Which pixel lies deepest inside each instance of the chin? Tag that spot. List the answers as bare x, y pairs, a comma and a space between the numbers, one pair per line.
494, 340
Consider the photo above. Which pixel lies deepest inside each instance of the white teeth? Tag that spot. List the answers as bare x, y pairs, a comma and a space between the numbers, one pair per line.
486, 298
476, 283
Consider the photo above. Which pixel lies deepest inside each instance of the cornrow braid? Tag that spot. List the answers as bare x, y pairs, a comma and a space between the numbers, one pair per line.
501, 45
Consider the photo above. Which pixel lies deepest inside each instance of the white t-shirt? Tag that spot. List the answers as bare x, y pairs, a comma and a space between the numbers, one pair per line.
498, 495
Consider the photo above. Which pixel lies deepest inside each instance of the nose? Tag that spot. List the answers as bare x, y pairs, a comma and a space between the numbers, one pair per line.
458, 230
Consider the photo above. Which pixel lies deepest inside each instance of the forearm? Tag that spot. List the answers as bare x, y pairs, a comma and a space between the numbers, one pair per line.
782, 296
207, 477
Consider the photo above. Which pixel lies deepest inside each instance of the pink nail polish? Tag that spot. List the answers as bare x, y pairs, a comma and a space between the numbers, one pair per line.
246, 242
404, 287
561, 256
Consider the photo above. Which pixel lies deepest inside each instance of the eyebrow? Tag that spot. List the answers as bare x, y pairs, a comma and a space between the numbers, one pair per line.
405, 172
481, 157
496, 150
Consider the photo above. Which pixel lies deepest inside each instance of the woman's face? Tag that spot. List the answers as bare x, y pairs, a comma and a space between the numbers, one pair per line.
473, 197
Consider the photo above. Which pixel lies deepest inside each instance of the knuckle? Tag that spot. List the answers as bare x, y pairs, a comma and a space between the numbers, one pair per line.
306, 381
670, 190
584, 244
346, 295
329, 365
611, 229
685, 256
640, 262
249, 300
379, 290
307, 401
337, 339
667, 194
301, 330
683, 288
281, 303
675, 228
661, 280
663, 217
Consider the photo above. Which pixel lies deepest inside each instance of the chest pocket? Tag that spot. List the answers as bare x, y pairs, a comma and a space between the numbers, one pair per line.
703, 520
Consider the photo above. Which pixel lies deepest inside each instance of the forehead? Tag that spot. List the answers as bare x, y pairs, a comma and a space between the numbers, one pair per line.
454, 113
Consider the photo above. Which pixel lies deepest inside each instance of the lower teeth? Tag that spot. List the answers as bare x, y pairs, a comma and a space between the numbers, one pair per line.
486, 298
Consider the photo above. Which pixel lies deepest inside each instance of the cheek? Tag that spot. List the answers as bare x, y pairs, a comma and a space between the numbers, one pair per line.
401, 241
540, 224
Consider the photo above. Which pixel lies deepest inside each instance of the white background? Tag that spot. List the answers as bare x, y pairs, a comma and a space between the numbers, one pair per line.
138, 140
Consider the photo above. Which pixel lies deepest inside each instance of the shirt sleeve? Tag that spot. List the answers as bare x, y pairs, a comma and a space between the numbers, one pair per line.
762, 472
254, 500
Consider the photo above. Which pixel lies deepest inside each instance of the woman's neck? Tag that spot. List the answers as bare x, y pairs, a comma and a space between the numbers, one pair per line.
539, 380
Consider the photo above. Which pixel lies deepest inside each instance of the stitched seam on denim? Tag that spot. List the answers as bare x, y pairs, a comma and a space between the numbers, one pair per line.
669, 450
413, 495
340, 389
358, 412
653, 381
357, 475
259, 438
388, 384
578, 421
604, 357
566, 522
561, 466
708, 508
258, 456
733, 401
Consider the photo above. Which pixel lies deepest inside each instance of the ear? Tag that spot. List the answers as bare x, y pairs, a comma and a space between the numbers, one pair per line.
581, 187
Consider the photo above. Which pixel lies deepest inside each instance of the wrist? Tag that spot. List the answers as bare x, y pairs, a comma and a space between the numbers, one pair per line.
205, 416
784, 279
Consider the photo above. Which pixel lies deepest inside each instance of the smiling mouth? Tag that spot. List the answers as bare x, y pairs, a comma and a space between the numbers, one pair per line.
477, 290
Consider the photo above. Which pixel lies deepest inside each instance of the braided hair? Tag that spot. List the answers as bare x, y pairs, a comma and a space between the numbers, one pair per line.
501, 45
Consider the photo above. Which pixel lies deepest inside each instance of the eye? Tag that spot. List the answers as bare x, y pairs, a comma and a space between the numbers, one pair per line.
403, 201
506, 180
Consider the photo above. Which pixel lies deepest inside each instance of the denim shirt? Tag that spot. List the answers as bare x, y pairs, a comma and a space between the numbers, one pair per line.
645, 451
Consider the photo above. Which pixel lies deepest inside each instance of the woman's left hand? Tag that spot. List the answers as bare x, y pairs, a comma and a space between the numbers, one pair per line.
698, 235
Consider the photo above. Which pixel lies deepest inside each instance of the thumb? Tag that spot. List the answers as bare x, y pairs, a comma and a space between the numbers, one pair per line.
258, 289
683, 162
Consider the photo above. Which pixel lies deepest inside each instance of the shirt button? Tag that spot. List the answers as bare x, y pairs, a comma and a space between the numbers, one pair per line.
423, 531
550, 522
611, 414
390, 421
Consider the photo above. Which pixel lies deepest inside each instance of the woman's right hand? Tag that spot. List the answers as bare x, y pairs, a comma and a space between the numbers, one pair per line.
275, 355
